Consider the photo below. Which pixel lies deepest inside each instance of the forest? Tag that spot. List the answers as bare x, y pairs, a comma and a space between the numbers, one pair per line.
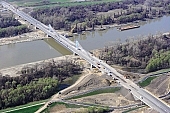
159, 61
8, 21
151, 53
82, 17
79, 18
9, 26
35, 83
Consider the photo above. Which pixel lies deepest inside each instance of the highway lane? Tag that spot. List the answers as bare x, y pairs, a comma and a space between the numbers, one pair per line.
140, 93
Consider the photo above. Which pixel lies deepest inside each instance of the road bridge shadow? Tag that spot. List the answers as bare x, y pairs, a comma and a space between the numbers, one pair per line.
57, 46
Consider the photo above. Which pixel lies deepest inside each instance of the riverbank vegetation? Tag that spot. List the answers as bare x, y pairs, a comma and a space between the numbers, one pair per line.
33, 91
9, 26
83, 17
159, 61
151, 53
35, 83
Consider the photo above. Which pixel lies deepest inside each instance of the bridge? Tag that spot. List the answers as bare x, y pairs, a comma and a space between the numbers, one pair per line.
139, 93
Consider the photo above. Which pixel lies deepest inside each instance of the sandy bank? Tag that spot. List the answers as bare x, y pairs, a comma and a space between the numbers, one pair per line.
32, 36
16, 70
27, 37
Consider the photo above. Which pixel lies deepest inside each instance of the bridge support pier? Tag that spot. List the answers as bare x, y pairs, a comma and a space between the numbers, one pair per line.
29, 26
103, 72
17, 17
74, 54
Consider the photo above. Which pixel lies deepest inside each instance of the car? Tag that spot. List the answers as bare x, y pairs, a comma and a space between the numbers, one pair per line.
110, 73
115, 79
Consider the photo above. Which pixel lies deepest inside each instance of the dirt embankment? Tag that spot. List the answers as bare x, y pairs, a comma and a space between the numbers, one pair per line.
90, 82
160, 86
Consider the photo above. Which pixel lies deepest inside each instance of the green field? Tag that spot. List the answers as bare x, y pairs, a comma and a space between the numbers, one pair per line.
147, 81
28, 3
25, 109
100, 91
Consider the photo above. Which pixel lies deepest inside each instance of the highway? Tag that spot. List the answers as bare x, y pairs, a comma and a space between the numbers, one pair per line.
142, 94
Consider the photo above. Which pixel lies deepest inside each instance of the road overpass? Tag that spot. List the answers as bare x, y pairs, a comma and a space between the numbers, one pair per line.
142, 94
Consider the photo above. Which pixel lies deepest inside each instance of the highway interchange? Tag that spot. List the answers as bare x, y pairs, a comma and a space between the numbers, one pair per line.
139, 93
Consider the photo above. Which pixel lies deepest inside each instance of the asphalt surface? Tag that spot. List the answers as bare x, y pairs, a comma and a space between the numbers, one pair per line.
142, 94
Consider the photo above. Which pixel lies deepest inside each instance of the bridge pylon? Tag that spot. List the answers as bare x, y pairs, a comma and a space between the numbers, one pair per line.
91, 66
46, 35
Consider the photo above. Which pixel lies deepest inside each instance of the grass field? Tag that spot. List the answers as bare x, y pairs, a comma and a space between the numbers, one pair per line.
108, 90
147, 81
27, 110
58, 2
22, 106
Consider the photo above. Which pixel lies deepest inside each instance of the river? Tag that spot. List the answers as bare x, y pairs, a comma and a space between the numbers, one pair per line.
20, 53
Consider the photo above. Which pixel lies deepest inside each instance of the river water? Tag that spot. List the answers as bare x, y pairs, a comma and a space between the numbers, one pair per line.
20, 53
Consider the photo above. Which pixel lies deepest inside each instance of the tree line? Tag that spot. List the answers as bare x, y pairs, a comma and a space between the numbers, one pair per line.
9, 26
139, 54
86, 16
33, 91
13, 31
35, 83
8, 21
159, 61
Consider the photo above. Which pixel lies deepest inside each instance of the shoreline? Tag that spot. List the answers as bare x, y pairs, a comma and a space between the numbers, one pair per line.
26, 37
14, 71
